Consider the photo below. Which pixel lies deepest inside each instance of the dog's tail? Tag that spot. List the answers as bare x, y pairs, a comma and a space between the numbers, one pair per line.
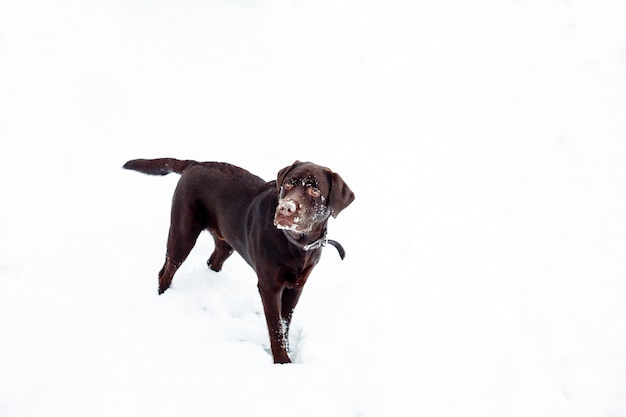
161, 166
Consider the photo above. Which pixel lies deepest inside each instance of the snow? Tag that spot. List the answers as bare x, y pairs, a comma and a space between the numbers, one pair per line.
484, 141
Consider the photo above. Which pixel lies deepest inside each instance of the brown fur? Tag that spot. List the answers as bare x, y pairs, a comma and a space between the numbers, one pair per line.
269, 224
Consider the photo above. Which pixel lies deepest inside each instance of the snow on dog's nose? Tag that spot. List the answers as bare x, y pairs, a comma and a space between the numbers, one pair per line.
286, 215
287, 208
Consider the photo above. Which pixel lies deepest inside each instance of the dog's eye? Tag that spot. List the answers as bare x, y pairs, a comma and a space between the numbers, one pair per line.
313, 192
288, 185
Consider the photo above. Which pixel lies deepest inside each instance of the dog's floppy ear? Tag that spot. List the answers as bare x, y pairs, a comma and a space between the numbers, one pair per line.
340, 194
282, 174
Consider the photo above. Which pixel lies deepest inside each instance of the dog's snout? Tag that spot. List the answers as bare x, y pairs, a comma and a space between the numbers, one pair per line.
287, 208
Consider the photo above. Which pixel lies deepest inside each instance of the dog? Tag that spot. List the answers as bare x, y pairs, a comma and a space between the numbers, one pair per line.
278, 227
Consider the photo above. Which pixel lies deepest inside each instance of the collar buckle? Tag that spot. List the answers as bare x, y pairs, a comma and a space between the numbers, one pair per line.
320, 243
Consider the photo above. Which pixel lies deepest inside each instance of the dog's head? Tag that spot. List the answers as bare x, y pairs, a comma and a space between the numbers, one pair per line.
307, 195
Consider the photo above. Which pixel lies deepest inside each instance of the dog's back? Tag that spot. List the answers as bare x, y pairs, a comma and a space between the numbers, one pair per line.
209, 195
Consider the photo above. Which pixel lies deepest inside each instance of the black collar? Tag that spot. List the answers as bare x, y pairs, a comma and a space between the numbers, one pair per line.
319, 243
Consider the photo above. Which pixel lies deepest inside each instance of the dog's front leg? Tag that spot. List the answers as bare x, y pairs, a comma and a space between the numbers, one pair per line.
276, 325
289, 299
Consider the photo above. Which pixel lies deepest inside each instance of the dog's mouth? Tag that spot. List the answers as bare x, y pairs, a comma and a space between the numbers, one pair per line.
290, 224
286, 222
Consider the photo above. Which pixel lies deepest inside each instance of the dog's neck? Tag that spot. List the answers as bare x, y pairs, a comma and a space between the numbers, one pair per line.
316, 239
298, 239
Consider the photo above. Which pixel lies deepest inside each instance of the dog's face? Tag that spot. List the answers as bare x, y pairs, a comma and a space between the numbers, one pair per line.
307, 195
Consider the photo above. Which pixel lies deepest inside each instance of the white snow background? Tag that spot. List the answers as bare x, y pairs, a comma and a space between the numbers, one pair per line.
486, 249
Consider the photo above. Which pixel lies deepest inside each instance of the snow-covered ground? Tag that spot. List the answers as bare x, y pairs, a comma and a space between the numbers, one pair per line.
486, 265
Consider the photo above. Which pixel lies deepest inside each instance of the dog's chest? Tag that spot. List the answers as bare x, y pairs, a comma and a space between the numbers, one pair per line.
298, 279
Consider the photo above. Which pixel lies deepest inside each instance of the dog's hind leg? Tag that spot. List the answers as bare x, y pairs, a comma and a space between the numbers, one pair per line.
166, 274
184, 231
222, 251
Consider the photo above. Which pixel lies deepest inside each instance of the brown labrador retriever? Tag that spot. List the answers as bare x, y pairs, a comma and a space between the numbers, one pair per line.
278, 227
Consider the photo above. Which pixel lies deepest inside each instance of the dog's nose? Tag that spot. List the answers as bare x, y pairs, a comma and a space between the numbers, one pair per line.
287, 208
